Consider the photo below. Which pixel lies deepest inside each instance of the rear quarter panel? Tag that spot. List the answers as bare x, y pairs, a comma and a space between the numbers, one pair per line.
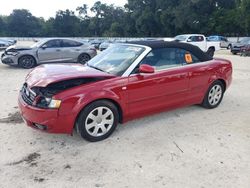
224, 70
202, 75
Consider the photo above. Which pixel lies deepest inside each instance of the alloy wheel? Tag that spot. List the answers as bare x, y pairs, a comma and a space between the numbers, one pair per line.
27, 62
215, 95
84, 58
99, 121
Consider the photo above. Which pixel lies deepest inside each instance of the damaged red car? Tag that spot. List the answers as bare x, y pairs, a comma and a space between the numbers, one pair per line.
125, 82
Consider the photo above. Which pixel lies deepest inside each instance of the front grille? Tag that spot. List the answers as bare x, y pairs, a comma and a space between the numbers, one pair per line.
28, 95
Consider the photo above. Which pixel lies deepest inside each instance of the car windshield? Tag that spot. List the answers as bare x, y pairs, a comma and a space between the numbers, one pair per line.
116, 59
245, 40
213, 38
181, 37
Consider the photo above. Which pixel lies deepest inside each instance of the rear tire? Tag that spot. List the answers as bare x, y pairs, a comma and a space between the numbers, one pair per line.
229, 47
214, 95
97, 121
83, 58
210, 52
27, 62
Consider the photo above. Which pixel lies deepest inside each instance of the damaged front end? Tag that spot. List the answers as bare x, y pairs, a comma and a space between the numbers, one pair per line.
42, 97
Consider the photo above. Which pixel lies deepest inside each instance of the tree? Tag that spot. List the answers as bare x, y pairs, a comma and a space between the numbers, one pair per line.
83, 11
244, 10
2, 27
116, 30
138, 18
66, 24
146, 14
23, 24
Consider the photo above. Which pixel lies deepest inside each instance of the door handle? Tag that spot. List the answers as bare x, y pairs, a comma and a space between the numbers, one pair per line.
58, 50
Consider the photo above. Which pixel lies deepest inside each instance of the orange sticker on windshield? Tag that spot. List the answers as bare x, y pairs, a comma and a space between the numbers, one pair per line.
188, 58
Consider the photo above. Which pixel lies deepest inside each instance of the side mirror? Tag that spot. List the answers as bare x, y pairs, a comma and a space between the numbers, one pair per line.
146, 69
44, 46
189, 40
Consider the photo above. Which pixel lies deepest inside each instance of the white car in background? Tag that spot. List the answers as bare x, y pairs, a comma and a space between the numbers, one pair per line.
200, 41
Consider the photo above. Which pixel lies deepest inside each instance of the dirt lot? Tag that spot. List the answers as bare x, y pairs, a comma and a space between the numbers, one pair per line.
189, 147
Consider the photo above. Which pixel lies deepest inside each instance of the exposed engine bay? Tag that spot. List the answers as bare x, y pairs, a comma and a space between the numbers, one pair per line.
57, 87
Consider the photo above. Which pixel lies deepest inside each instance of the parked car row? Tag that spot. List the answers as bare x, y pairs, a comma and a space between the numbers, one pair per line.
224, 43
245, 50
216, 42
81, 51
240, 46
55, 50
102, 44
200, 41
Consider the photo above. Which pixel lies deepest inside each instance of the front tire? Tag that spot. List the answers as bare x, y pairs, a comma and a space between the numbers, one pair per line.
27, 62
97, 121
214, 95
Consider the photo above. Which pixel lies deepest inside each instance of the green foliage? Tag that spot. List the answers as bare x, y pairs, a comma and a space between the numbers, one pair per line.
66, 24
22, 23
138, 18
2, 27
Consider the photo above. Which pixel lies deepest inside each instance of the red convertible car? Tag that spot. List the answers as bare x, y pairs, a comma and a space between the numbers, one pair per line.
124, 82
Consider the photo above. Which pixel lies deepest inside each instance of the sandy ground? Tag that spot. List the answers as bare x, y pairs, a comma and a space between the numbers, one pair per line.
188, 147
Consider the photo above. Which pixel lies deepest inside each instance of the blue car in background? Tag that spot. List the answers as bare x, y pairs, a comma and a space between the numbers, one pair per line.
224, 43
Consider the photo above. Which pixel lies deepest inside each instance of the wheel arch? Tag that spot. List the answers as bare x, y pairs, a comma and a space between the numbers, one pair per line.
214, 79
223, 82
211, 48
30, 55
118, 106
83, 53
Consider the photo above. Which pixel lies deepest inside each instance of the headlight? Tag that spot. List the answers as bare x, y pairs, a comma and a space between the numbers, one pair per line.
14, 53
45, 102
54, 103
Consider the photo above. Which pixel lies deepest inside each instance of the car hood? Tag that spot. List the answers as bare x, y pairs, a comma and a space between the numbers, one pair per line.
238, 44
51, 73
18, 48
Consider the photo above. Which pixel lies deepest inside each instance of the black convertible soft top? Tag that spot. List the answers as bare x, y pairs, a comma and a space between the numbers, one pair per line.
202, 56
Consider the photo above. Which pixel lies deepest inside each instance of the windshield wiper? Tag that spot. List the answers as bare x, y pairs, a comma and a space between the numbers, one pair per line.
95, 68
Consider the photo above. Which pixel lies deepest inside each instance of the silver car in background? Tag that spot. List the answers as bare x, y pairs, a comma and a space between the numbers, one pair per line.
49, 51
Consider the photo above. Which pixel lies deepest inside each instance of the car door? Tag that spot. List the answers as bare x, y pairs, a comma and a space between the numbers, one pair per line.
223, 42
50, 51
166, 87
70, 50
199, 76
